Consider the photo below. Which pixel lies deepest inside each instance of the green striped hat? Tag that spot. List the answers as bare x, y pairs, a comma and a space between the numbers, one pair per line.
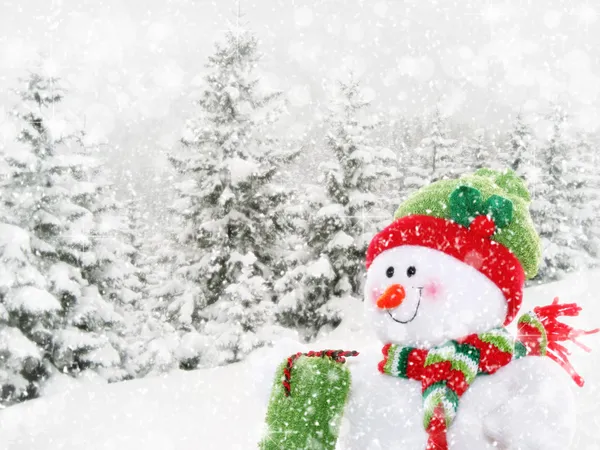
519, 235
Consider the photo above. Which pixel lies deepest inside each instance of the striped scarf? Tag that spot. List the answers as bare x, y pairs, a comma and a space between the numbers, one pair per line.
446, 372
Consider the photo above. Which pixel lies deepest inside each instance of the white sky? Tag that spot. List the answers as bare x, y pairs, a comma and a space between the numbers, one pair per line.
133, 64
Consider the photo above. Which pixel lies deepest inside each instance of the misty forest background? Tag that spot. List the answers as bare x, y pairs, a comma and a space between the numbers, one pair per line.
265, 234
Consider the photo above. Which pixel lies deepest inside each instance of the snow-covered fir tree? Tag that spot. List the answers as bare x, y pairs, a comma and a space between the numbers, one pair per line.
399, 136
583, 179
27, 314
337, 222
158, 347
230, 209
419, 127
111, 232
122, 274
152, 342
519, 153
433, 158
477, 151
555, 204
47, 196
440, 153
416, 171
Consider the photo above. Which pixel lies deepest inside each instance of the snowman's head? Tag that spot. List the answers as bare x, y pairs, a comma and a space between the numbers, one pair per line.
430, 280
421, 297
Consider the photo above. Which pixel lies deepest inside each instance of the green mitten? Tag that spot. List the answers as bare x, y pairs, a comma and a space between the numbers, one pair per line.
307, 402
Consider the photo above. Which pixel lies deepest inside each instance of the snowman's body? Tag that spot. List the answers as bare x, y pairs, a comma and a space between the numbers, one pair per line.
526, 405
382, 412
501, 411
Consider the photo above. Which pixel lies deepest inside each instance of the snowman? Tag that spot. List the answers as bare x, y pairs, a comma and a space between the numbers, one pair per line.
443, 281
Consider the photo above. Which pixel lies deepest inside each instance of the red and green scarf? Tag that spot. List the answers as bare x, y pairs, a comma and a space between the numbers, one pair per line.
446, 372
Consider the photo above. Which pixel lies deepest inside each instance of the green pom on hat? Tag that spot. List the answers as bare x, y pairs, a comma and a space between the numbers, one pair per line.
502, 195
466, 203
501, 210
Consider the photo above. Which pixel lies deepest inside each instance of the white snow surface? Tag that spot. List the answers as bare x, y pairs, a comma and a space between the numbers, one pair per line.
221, 408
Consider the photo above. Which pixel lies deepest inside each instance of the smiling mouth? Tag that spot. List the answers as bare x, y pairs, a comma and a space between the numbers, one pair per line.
413, 316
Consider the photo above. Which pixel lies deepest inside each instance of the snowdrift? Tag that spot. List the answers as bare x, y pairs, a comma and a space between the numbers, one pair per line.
223, 408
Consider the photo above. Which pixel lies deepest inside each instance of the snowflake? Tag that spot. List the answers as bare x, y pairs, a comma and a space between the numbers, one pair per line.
333, 376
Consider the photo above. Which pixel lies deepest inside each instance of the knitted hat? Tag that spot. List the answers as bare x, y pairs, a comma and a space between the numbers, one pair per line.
481, 219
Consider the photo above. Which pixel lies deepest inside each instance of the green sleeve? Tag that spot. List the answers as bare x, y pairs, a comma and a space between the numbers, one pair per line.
310, 417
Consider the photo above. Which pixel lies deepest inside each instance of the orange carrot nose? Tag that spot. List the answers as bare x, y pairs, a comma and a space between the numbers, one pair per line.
392, 297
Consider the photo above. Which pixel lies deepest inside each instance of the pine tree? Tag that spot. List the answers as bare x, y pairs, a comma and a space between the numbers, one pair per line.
478, 151
401, 135
557, 198
416, 170
434, 158
152, 340
328, 267
583, 179
440, 152
520, 151
121, 280
114, 271
47, 193
230, 208
27, 313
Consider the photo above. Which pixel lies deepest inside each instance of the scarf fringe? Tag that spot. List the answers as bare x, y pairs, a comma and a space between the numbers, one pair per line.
542, 334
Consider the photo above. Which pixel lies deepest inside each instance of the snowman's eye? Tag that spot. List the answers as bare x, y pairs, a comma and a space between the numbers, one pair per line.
411, 271
389, 272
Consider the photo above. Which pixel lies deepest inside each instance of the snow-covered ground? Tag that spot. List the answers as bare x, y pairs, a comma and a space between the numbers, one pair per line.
221, 408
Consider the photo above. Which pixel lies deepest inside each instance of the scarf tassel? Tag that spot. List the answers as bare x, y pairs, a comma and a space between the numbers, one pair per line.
557, 332
436, 430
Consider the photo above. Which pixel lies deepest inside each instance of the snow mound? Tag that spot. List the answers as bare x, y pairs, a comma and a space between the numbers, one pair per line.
32, 300
21, 347
221, 408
